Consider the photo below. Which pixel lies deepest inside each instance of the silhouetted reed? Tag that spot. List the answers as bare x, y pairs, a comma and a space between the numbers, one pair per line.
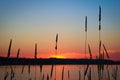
100, 50
56, 41
18, 53
35, 51
85, 34
35, 58
9, 49
106, 51
90, 51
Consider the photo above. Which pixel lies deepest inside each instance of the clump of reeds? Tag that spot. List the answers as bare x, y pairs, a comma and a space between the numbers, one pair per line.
115, 73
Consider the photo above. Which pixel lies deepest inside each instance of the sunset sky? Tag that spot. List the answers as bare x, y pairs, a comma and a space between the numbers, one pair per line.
27, 22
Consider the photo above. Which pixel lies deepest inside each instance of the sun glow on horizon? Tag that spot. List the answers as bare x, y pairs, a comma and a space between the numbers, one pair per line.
58, 56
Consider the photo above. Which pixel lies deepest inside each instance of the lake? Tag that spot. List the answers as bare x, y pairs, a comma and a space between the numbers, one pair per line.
65, 72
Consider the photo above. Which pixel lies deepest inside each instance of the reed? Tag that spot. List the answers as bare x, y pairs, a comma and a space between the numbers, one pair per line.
29, 69
18, 53
56, 41
43, 77
79, 75
85, 34
115, 73
106, 51
99, 31
51, 71
63, 73
99, 18
12, 73
22, 69
35, 50
47, 77
40, 68
90, 51
89, 74
9, 49
108, 73
100, 50
56, 51
68, 75
35, 58
6, 75
85, 72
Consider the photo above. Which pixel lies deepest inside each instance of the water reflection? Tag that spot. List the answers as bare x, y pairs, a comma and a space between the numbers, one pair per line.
63, 72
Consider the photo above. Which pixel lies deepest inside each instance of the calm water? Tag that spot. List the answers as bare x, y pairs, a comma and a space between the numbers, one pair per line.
70, 72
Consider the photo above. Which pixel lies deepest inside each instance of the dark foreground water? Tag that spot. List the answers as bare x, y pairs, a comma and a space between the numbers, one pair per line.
65, 72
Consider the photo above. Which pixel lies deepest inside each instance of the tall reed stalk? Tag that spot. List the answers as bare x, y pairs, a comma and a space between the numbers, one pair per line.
85, 34
56, 47
35, 59
99, 30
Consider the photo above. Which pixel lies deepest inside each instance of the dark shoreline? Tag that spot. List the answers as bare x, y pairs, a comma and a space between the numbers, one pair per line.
54, 61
